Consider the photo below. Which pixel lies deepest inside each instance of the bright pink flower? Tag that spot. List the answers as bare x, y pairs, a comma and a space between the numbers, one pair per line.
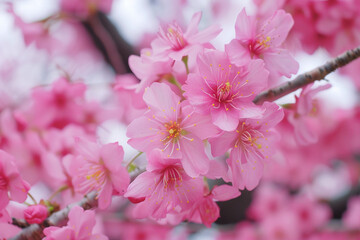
11, 184
351, 216
58, 106
263, 40
250, 144
311, 214
80, 227
100, 169
149, 69
225, 90
174, 43
302, 114
174, 128
205, 210
164, 188
268, 200
280, 226
35, 213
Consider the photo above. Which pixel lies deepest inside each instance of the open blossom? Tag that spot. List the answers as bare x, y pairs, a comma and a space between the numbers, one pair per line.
205, 210
174, 43
263, 40
173, 127
303, 112
99, 168
250, 144
225, 90
164, 188
80, 227
12, 186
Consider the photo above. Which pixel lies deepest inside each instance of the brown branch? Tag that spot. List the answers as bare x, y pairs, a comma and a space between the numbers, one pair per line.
308, 77
60, 218
35, 231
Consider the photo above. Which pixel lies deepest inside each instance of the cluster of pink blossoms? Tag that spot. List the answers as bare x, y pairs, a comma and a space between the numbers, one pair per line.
193, 115
200, 98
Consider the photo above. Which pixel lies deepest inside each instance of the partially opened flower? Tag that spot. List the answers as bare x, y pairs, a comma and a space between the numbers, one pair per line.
164, 188
262, 40
251, 143
205, 210
79, 227
174, 43
99, 169
12, 186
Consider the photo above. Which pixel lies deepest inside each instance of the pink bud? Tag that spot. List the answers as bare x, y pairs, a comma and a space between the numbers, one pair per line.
35, 213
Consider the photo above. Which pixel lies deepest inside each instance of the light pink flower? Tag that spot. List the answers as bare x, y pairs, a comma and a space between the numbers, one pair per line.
205, 210
263, 40
80, 227
11, 184
99, 169
302, 114
225, 90
164, 188
149, 69
173, 43
58, 106
250, 144
35, 213
174, 128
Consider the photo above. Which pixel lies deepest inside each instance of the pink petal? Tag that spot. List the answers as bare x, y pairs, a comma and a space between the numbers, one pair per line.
142, 186
225, 192
205, 35
112, 154
277, 27
280, 62
194, 160
160, 98
105, 195
224, 119
222, 143
244, 26
238, 54
193, 25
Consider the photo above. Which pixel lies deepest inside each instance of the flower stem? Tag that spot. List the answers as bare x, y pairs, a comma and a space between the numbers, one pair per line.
133, 159
185, 61
32, 198
60, 189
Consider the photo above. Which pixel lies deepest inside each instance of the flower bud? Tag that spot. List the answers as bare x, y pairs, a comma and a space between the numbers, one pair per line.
35, 213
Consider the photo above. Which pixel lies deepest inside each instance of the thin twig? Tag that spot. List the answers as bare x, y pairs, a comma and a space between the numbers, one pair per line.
302, 80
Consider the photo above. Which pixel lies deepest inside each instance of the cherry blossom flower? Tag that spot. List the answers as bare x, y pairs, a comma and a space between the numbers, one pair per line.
263, 40
80, 226
174, 128
205, 210
303, 112
173, 43
225, 90
250, 144
99, 169
164, 188
11, 184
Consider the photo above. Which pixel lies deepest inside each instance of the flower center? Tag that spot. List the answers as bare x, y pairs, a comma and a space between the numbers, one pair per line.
256, 47
224, 92
174, 130
95, 176
248, 138
172, 178
173, 36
